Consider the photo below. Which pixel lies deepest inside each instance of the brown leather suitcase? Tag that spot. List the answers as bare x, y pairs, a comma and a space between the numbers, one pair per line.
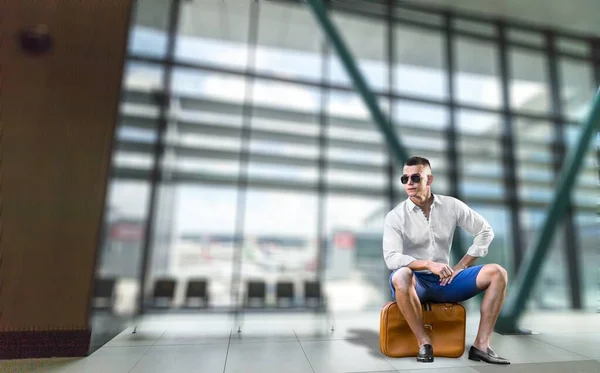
444, 322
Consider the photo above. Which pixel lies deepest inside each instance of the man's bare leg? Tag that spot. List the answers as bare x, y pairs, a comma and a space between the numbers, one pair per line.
493, 279
409, 303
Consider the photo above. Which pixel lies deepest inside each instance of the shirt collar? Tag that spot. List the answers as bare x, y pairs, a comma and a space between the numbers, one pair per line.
412, 206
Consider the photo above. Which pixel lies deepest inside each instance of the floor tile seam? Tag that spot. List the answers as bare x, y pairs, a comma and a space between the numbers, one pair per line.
159, 337
227, 352
304, 352
140, 359
192, 344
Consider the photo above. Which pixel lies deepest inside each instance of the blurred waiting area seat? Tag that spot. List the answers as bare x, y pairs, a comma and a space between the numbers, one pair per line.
104, 294
196, 294
285, 296
169, 294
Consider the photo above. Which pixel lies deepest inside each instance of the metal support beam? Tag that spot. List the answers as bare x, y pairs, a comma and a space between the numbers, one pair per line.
391, 166
323, 145
244, 161
508, 150
319, 11
533, 261
571, 248
162, 98
454, 174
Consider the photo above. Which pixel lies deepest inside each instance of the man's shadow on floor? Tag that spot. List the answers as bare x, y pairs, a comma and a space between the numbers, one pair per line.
366, 338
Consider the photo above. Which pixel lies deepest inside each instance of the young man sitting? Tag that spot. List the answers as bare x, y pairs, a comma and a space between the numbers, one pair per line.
417, 238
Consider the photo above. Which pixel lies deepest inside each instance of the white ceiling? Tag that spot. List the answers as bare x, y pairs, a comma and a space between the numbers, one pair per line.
573, 15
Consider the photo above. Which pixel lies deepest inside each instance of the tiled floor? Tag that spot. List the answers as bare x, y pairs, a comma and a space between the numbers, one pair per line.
568, 343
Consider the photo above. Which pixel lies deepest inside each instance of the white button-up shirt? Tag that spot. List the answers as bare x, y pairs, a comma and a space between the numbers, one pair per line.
408, 235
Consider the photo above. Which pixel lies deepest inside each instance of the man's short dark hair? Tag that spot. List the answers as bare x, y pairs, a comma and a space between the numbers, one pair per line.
417, 161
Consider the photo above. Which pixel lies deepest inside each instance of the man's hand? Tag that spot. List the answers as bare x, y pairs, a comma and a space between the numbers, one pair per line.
442, 270
448, 280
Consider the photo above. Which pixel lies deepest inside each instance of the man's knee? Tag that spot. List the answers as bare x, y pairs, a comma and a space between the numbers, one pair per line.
403, 279
495, 273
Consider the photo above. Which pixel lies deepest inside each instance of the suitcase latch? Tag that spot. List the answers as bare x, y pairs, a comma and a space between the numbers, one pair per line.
428, 328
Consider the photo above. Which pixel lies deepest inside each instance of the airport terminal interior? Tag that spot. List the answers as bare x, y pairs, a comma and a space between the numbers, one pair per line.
234, 208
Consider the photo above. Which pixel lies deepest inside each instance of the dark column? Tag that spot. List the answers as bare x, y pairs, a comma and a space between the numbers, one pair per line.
508, 152
58, 112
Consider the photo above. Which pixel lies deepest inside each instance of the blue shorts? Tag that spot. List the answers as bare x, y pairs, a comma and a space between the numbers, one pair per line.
463, 286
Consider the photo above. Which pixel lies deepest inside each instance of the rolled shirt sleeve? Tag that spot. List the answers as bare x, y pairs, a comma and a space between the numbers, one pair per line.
477, 226
392, 245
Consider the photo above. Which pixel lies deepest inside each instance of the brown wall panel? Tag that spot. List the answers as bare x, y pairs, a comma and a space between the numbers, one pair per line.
57, 121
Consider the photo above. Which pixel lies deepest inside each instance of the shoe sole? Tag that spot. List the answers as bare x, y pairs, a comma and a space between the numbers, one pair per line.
474, 358
425, 360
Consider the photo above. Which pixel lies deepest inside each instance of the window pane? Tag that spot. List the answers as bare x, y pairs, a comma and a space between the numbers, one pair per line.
213, 32
137, 160
535, 172
407, 113
477, 73
577, 87
419, 67
478, 123
479, 147
355, 140
204, 132
287, 45
143, 77
587, 227
480, 28
148, 33
357, 278
551, 289
284, 148
529, 90
535, 39
351, 106
209, 85
280, 239
366, 39
122, 240
285, 95
586, 192
423, 17
203, 242
574, 46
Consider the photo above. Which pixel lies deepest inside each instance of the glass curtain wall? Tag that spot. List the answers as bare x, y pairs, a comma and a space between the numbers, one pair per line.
245, 150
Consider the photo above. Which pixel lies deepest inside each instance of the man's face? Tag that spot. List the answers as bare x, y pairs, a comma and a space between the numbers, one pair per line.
419, 188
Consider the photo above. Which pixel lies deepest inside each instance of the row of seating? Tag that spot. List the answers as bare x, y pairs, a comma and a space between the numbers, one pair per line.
285, 294
197, 294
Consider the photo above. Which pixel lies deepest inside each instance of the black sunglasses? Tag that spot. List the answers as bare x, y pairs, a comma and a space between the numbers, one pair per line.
414, 177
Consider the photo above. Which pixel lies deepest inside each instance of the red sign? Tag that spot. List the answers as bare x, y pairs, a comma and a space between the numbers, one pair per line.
344, 240
126, 232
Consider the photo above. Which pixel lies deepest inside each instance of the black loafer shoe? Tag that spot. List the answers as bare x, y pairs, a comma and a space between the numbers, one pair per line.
425, 354
489, 356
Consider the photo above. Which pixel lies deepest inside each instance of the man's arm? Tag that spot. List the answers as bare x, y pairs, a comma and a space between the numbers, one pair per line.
477, 226
465, 262
393, 247
419, 265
